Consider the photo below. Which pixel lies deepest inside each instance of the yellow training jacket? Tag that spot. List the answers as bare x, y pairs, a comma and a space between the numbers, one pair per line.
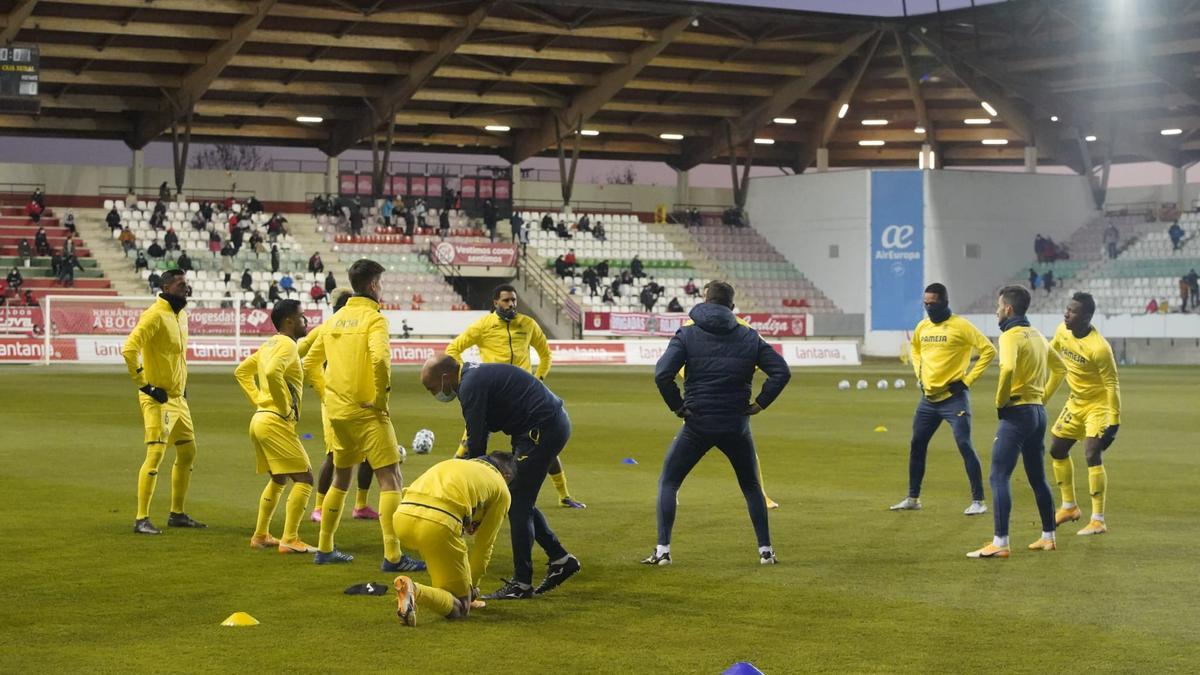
160, 340
1089, 367
1023, 367
353, 343
941, 353
314, 371
501, 341
462, 491
280, 381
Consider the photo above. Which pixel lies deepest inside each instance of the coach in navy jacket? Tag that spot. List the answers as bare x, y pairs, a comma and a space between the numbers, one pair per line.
719, 355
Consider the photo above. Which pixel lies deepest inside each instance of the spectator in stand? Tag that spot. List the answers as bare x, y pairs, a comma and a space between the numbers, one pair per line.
164, 192
206, 210
387, 210
626, 278
236, 237
356, 221
155, 250
140, 263
247, 280
184, 262
690, 288
561, 268
648, 298
674, 306
198, 221
526, 227
227, 303
128, 240
694, 219
602, 268
598, 231
154, 282
547, 223
214, 242
171, 240
41, 242
55, 264
1164, 307
287, 284
30, 301
25, 251
69, 222
1033, 279
68, 246
635, 267
228, 251
615, 287
158, 219
317, 293
410, 221
3, 293
277, 226
66, 271
330, 284
273, 293
259, 302
420, 211
160, 207
113, 219
1048, 281
274, 258
315, 264
253, 206
1185, 291
256, 243
654, 287
443, 224
1039, 248
1176, 234
489, 218
1194, 283
516, 223
405, 329
607, 298
38, 197
318, 206
591, 281
570, 258
1111, 238
562, 231
15, 280
585, 224
34, 210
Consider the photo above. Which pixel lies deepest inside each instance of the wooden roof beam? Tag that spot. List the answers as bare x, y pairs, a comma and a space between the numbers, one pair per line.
196, 82
589, 102
914, 86
401, 90
15, 19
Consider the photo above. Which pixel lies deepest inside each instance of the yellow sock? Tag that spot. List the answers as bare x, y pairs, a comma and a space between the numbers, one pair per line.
435, 600
148, 478
297, 504
1098, 486
560, 484
331, 513
360, 498
462, 447
1064, 475
763, 486
317, 502
181, 474
266, 507
389, 501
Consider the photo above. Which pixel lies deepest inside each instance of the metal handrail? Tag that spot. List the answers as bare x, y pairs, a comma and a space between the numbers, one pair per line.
548, 287
583, 204
149, 194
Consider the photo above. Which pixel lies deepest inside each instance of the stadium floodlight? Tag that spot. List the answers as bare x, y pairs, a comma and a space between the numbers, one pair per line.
995, 141
765, 141
496, 127
310, 119
843, 110
671, 137
1089, 138
1171, 132
874, 123
1054, 118
784, 120
919, 130
870, 144
988, 107
589, 132
977, 120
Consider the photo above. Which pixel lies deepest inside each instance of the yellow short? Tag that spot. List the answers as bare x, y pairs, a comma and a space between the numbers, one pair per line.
370, 437
169, 423
276, 445
331, 443
1082, 419
443, 550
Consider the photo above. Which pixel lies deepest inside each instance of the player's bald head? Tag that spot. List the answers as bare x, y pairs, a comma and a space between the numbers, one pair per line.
437, 367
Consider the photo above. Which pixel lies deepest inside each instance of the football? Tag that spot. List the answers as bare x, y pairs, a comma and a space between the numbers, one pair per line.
898, 384
423, 442
844, 385
862, 384
882, 384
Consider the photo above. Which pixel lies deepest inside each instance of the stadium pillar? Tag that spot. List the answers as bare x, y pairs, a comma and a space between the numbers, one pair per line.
822, 160
331, 175
1031, 159
515, 192
1179, 182
137, 169
925, 161
682, 188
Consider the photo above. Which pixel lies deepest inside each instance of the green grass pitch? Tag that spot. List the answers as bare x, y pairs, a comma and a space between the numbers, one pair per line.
859, 589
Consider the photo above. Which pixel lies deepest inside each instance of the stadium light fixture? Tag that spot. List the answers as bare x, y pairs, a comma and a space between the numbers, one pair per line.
977, 120
671, 137
988, 107
874, 123
919, 130
764, 141
870, 144
496, 127
1054, 118
310, 119
1171, 132
1090, 139
843, 110
589, 132
995, 141
784, 120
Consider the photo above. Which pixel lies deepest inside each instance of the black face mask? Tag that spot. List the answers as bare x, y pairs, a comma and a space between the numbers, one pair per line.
506, 314
938, 311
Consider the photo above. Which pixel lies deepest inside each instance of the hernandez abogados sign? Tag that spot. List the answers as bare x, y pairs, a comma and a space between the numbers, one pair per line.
473, 255
648, 325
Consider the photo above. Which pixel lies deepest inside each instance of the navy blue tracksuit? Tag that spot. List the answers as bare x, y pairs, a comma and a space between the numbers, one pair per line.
720, 356
504, 398
955, 411
1021, 433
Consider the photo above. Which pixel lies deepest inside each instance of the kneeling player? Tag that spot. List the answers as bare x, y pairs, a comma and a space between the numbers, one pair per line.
276, 397
452, 499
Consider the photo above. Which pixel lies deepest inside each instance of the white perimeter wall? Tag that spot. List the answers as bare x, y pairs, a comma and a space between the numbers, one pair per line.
1001, 213
804, 215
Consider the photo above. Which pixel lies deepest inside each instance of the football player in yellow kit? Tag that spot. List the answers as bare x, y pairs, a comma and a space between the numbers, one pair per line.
1092, 413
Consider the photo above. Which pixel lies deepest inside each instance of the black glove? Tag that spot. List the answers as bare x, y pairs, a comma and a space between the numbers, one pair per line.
155, 393
1109, 435
957, 387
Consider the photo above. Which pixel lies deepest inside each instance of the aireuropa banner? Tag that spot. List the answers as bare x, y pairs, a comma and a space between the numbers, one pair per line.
897, 249
225, 350
473, 255
649, 325
110, 319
